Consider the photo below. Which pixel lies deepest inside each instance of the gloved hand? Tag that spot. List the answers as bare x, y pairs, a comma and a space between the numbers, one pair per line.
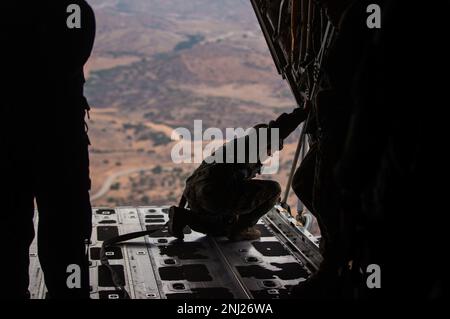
249, 171
287, 123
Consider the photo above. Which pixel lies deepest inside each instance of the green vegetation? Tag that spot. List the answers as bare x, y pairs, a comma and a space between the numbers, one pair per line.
144, 133
191, 42
157, 170
157, 138
145, 200
124, 6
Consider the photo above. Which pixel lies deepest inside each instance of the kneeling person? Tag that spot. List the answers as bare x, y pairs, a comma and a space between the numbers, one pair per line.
223, 197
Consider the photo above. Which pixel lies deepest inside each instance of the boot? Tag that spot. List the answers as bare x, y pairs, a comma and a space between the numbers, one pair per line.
178, 220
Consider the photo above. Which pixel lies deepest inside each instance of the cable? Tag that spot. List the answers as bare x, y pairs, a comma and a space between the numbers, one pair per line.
119, 285
326, 42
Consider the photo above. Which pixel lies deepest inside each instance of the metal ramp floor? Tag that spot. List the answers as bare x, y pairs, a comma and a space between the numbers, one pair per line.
200, 267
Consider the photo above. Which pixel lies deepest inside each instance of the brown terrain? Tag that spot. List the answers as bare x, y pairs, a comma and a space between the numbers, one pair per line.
161, 64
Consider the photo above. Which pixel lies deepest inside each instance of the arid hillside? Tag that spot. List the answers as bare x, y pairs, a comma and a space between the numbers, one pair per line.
162, 64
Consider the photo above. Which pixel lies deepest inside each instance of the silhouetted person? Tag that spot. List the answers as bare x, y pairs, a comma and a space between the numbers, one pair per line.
223, 196
373, 169
392, 164
44, 145
315, 182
